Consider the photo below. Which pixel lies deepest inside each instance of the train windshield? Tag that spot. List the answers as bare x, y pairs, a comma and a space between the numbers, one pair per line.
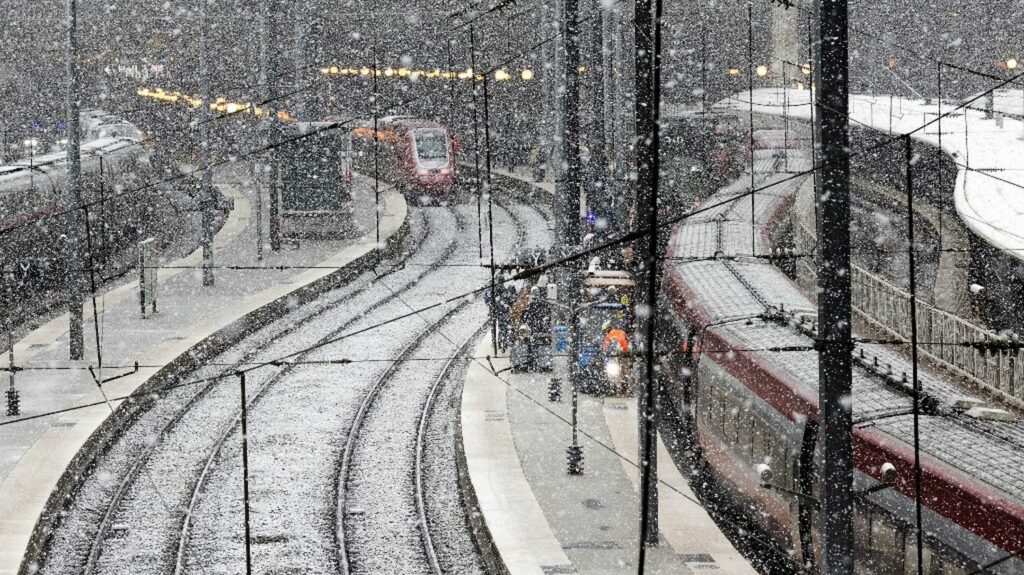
431, 144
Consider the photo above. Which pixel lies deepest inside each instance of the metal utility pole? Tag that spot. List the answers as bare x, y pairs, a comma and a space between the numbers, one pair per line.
567, 186
75, 259
648, 101
208, 199
490, 208
271, 127
300, 10
556, 159
622, 126
478, 179
834, 337
245, 473
915, 381
598, 149
750, 96
376, 149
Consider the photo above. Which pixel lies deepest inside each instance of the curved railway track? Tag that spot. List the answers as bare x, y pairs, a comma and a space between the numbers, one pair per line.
142, 457
162, 501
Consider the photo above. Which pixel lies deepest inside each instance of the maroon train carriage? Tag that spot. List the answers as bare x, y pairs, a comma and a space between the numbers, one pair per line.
416, 155
747, 405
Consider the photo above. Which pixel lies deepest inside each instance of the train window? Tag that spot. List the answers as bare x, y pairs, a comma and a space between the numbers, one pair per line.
718, 412
762, 443
861, 540
910, 555
431, 144
731, 416
708, 408
886, 546
707, 399
745, 432
948, 566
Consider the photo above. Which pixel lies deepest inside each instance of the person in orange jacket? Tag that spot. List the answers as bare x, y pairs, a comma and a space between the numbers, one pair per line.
614, 335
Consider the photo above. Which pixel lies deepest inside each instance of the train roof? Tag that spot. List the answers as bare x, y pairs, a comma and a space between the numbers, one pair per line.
745, 305
57, 161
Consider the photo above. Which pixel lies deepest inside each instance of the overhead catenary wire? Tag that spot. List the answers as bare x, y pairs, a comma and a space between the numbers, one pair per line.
274, 145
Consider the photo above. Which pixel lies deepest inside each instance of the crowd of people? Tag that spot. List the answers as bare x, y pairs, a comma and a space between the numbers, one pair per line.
523, 319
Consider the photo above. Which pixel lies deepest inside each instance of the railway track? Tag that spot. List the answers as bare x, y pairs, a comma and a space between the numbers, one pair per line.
166, 496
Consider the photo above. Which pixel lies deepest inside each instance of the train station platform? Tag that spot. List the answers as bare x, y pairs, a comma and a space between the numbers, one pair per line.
63, 409
985, 150
540, 519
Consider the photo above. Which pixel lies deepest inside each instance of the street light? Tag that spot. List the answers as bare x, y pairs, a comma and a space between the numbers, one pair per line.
761, 70
734, 71
527, 74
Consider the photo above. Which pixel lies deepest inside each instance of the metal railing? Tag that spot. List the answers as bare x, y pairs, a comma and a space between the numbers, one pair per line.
944, 338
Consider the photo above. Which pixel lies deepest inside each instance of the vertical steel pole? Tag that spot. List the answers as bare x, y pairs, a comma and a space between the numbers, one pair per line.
269, 79
647, 24
813, 114
558, 93
10, 353
490, 212
256, 176
476, 143
785, 116
245, 474
451, 80
567, 186
750, 81
941, 203
607, 87
623, 127
301, 14
206, 192
834, 343
709, 144
599, 203
908, 160
75, 259
376, 148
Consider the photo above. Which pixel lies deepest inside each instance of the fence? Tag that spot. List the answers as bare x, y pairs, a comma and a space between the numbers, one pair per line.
944, 338
947, 339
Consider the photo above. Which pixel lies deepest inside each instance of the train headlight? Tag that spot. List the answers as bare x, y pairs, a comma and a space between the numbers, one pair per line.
612, 369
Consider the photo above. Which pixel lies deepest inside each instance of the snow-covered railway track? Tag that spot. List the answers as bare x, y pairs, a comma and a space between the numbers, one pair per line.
167, 495
107, 522
131, 470
386, 519
380, 478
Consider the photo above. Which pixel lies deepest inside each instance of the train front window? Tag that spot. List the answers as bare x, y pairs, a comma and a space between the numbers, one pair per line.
431, 144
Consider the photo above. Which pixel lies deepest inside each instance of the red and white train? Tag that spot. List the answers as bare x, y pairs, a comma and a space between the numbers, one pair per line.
414, 154
743, 378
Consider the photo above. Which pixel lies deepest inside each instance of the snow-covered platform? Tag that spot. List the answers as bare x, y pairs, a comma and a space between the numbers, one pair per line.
989, 185
37, 450
542, 520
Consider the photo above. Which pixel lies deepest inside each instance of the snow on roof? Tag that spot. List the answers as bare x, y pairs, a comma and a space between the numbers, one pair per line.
989, 192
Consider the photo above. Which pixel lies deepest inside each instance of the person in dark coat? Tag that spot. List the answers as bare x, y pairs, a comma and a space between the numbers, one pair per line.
538, 318
506, 295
